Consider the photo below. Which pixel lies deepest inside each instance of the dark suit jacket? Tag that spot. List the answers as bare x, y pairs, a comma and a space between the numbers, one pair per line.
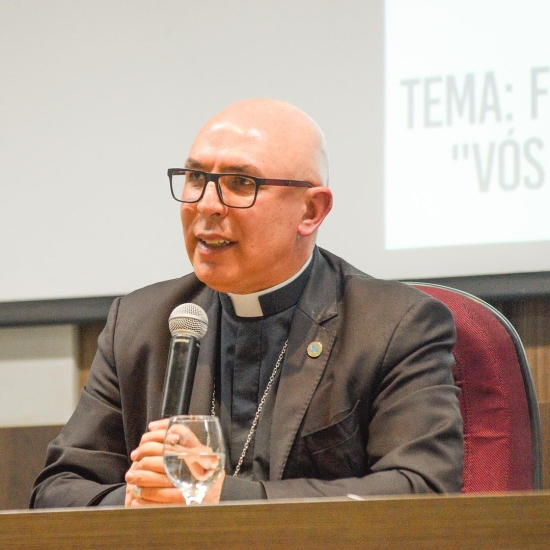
376, 413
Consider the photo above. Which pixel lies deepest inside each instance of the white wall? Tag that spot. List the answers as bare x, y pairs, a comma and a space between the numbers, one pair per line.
99, 98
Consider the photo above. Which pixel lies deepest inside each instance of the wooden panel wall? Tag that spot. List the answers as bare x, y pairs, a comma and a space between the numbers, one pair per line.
88, 335
531, 318
23, 453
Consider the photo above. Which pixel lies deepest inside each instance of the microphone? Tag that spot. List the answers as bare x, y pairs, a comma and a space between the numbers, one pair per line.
188, 323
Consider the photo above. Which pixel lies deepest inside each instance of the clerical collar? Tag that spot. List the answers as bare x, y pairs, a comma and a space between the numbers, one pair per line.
271, 300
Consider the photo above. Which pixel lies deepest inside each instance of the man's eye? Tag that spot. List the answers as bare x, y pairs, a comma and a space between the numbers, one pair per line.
194, 178
238, 185
242, 182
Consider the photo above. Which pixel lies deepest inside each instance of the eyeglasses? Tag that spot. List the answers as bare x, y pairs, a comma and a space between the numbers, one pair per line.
234, 190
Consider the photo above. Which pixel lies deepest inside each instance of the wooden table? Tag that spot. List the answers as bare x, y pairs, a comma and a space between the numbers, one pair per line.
514, 521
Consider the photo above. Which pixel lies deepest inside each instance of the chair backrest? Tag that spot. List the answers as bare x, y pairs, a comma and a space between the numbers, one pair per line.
502, 441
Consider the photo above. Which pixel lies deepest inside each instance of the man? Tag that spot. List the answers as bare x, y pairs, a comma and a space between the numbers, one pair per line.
362, 398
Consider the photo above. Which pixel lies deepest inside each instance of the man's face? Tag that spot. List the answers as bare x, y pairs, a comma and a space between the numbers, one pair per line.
246, 250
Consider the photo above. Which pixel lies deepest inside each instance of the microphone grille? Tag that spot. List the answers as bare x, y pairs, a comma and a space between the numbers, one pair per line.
189, 319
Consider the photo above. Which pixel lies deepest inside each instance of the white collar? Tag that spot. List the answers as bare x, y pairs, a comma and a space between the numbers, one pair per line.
248, 305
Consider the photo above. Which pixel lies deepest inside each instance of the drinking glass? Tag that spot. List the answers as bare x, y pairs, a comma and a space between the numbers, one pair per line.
194, 454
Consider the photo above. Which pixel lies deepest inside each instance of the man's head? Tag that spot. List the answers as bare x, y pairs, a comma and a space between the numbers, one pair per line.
247, 250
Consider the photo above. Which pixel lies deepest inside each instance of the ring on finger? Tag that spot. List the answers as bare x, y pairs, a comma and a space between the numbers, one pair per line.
136, 491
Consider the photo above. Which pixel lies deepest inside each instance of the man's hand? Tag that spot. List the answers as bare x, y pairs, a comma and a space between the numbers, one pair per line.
147, 482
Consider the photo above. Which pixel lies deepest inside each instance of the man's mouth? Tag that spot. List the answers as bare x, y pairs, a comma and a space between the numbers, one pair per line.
215, 243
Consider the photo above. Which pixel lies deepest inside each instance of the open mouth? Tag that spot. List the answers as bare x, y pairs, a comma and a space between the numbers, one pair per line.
215, 243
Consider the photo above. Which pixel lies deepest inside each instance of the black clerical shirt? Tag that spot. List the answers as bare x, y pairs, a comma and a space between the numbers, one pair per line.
250, 347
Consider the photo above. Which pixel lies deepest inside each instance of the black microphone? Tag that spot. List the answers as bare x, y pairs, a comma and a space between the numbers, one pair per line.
188, 324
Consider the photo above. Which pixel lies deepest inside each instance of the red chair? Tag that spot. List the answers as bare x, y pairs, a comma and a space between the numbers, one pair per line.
502, 441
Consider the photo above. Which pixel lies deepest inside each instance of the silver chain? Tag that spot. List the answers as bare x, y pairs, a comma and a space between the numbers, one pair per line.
260, 406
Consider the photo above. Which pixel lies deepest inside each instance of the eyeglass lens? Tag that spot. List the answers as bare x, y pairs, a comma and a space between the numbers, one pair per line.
236, 190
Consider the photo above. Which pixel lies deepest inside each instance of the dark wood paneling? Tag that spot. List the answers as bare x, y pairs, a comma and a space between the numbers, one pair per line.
22, 455
87, 345
545, 430
531, 318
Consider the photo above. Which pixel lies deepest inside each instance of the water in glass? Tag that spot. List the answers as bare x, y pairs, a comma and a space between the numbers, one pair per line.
194, 455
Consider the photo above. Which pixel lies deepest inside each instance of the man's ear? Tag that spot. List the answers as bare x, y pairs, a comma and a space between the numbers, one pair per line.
318, 205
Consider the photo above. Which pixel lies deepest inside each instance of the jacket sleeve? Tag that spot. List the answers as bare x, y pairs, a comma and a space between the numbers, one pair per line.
409, 439
89, 458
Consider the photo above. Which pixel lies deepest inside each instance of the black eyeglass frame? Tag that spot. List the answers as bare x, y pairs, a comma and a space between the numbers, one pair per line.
212, 177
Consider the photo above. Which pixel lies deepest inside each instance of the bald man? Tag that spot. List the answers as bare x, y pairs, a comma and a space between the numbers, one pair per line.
362, 398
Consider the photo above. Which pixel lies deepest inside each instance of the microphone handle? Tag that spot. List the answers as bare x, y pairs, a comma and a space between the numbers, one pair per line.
180, 375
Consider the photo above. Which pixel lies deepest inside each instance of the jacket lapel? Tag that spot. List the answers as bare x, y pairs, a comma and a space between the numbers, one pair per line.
301, 373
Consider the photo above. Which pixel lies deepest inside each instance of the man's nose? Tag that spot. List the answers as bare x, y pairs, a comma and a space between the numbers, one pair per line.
210, 200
